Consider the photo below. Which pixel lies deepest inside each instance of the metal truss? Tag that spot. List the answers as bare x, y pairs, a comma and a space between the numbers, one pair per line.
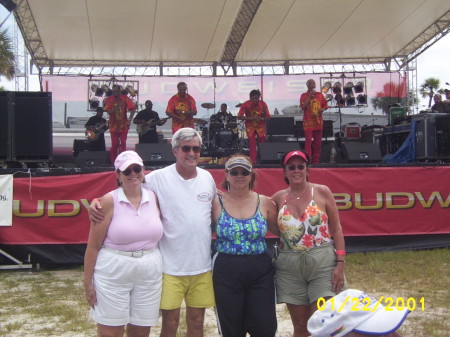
228, 65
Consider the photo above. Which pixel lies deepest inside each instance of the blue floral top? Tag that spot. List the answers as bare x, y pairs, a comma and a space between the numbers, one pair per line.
241, 236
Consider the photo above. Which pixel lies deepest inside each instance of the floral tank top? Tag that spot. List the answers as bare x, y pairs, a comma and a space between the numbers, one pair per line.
308, 231
241, 236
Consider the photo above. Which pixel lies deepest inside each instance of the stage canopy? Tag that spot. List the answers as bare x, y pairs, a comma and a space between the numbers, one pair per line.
229, 33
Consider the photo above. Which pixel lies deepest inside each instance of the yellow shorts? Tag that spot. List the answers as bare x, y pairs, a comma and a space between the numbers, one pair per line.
196, 290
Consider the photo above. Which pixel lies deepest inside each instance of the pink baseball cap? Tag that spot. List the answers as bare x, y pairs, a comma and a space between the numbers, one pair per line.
126, 159
300, 154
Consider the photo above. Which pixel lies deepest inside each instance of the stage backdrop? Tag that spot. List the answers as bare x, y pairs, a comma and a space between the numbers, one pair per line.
372, 201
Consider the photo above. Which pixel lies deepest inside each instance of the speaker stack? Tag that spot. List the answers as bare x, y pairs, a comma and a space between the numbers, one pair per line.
25, 126
155, 154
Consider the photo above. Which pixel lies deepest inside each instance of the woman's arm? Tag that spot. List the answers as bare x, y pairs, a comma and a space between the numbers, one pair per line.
270, 210
97, 236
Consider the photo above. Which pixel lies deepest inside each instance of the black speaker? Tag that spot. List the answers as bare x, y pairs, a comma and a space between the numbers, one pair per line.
325, 153
155, 153
27, 117
443, 136
5, 137
271, 153
280, 126
93, 158
80, 145
358, 152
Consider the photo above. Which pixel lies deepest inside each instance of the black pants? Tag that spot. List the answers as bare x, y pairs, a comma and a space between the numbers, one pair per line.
245, 295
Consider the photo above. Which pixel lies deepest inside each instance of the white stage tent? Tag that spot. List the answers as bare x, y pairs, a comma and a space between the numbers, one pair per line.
225, 35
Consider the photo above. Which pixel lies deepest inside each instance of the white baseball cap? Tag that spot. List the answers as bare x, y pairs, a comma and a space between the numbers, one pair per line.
354, 310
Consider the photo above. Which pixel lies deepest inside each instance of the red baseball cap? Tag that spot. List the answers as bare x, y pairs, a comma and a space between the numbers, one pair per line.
300, 154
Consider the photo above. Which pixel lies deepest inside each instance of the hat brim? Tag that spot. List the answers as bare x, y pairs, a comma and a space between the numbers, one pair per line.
246, 167
383, 322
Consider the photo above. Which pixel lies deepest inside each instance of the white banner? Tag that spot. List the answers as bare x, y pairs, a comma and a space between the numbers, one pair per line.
6, 199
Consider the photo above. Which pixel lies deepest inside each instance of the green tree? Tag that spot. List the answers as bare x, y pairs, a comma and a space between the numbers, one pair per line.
7, 59
429, 87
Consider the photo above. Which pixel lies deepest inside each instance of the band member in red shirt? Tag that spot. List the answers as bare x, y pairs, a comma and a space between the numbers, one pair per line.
313, 104
181, 108
117, 107
255, 113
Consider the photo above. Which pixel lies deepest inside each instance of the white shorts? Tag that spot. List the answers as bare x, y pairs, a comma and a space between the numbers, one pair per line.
128, 289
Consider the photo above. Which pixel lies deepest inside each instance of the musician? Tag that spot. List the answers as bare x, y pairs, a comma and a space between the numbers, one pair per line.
222, 116
181, 108
313, 104
95, 128
438, 105
255, 113
117, 107
146, 121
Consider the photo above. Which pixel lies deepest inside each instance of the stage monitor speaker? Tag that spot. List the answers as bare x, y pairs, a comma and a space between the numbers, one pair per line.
271, 153
93, 158
151, 154
325, 153
358, 152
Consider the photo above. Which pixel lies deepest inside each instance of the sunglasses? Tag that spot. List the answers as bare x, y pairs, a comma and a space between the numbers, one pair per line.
244, 173
293, 167
135, 168
187, 149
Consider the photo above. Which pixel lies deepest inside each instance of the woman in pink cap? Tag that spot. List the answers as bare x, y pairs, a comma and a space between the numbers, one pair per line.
123, 265
311, 259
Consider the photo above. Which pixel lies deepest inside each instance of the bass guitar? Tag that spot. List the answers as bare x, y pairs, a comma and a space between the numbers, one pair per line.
144, 127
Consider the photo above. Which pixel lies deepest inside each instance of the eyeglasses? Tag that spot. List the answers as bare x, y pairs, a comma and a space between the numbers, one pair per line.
244, 173
136, 169
187, 149
293, 167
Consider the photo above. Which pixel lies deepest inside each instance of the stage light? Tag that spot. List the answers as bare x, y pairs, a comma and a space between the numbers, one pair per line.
105, 88
362, 99
94, 103
337, 88
348, 88
326, 87
359, 87
131, 90
339, 99
350, 100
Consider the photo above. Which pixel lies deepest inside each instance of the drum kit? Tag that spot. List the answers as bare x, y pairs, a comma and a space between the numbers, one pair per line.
221, 133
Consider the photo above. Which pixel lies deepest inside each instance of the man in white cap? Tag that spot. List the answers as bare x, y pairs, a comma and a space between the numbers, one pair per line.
353, 313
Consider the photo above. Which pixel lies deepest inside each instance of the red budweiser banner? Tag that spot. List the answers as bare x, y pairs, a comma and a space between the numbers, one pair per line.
371, 201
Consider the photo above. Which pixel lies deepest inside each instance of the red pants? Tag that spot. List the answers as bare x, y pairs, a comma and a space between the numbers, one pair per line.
252, 145
118, 144
313, 147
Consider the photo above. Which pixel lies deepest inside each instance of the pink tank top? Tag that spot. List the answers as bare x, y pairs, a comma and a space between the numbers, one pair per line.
134, 229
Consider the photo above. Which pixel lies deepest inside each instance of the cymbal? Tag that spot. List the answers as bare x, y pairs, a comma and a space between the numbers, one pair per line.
238, 105
208, 105
200, 121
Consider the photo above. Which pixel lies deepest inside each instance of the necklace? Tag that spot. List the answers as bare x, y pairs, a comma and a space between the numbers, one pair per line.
301, 194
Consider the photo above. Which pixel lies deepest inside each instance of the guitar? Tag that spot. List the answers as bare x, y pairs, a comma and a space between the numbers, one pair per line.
92, 135
143, 128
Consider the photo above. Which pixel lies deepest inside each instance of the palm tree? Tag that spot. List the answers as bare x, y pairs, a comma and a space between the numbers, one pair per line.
7, 59
429, 87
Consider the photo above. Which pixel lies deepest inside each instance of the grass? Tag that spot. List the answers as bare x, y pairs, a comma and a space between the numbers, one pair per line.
52, 303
